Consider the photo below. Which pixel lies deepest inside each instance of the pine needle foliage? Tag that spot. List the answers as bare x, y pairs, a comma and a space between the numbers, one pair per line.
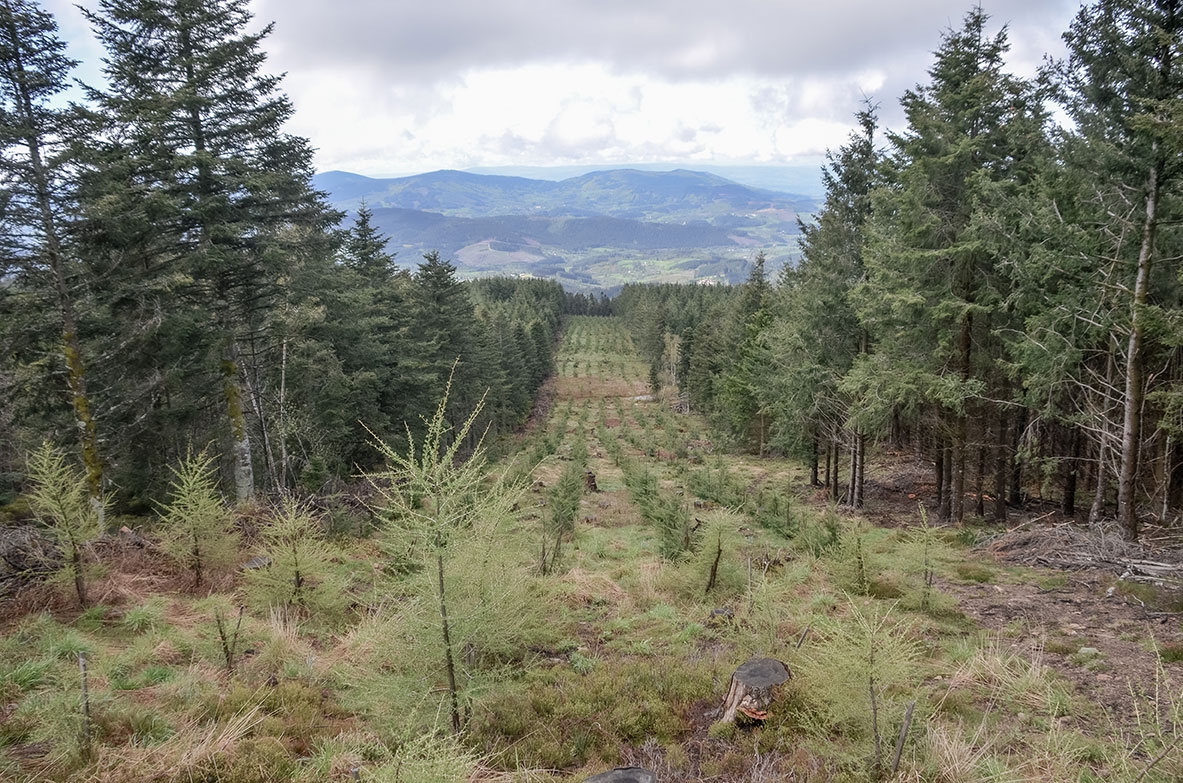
562, 508
299, 574
428, 498
427, 492
60, 500
195, 524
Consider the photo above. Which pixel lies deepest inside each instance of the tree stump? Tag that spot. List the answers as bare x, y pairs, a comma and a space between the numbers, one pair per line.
754, 687
590, 478
624, 775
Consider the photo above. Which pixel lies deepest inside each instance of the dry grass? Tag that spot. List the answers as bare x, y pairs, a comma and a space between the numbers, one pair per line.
1001, 675
194, 748
581, 588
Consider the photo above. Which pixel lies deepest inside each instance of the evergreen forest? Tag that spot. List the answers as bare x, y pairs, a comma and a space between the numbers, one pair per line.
277, 504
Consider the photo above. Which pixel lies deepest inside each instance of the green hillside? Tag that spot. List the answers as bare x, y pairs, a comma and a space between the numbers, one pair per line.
600, 229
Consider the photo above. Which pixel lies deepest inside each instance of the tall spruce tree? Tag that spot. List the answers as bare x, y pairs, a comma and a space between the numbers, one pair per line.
1123, 88
199, 184
934, 295
36, 133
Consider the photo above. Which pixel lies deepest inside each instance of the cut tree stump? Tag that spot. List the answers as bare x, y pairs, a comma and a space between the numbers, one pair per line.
624, 775
754, 687
590, 479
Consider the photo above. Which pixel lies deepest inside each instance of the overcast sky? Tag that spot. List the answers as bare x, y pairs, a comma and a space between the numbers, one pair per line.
391, 87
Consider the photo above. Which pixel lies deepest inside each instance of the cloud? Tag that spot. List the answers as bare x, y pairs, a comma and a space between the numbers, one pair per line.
385, 87
669, 39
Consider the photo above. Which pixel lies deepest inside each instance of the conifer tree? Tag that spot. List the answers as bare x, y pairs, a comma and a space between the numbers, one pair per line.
445, 331
740, 408
817, 336
59, 499
195, 524
427, 498
36, 133
1123, 86
198, 176
934, 294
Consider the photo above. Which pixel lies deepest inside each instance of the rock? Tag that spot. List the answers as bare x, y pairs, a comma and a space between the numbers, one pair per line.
256, 562
624, 775
1088, 652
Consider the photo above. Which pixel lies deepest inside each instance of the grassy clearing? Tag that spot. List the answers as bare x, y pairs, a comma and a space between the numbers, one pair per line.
592, 627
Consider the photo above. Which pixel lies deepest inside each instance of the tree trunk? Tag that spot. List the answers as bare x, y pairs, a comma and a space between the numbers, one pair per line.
282, 426
79, 578
71, 349
946, 512
939, 475
829, 456
957, 489
980, 480
852, 474
624, 775
449, 661
1102, 482
860, 470
1131, 435
835, 485
813, 464
1068, 499
1016, 468
254, 393
240, 439
1175, 477
1000, 471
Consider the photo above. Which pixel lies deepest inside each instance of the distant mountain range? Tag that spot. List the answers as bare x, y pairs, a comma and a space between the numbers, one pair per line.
706, 226
803, 179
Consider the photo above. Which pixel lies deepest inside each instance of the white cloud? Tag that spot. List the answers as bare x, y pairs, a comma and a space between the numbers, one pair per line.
398, 87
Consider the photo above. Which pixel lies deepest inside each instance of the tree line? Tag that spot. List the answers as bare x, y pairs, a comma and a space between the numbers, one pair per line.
171, 283
993, 289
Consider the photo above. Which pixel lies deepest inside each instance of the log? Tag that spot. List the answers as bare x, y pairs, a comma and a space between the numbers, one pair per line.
624, 775
754, 687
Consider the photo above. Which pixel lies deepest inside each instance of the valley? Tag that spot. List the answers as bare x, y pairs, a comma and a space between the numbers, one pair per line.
596, 231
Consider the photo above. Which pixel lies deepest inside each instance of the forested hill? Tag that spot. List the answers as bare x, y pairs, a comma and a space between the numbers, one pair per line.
598, 230
670, 196
540, 236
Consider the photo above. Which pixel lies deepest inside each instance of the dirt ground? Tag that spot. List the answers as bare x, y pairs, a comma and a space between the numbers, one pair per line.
1086, 625
1066, 594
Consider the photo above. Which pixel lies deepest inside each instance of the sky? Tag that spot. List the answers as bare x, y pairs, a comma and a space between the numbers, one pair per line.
397, 87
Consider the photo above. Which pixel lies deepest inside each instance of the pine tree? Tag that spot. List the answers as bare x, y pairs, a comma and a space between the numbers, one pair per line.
1123, 87
36, 133
443, 322
364, 249
200, 180
817, 336
934, 296
738, 408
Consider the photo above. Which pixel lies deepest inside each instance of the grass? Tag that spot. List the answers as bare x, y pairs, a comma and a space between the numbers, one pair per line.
669, 576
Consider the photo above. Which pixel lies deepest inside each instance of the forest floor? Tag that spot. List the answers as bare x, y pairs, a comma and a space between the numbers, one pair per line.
1064, 593
1113, 644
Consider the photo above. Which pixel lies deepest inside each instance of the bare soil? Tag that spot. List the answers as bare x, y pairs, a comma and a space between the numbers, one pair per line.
1063, 588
